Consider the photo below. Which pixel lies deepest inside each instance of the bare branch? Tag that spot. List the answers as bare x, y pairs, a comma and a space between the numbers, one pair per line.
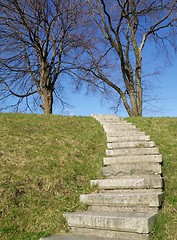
27, 94
38, 38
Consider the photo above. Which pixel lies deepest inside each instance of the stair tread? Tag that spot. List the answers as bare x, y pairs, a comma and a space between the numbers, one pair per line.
129, 177
124, 199
127, 215
154, 158
129, 182
128, 193
77, 237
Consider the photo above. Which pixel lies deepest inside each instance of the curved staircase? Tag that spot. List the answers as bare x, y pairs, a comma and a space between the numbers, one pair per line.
130, 194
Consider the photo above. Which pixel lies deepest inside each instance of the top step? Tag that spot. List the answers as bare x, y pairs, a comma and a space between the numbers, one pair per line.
108, 118
105, 116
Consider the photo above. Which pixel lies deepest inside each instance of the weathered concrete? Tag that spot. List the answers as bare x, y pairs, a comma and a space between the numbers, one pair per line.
131, 144
125, 133
127, 138
76, 237
132, 151
129, 182
118, 221
119, 124
121, 131
120, 128
151, 199
154, 158
133, 168
111, 234
111, 208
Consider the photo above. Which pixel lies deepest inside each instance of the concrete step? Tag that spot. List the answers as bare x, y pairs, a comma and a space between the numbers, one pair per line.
127, 138
113, 121
118, 221
111, 234
131, 144
110, 208
119, 127
132, 151
125, 133
147, 168
120, 124
122, 199
129, 182
154, 158
105, 116
76, 237
127, 190
109, 119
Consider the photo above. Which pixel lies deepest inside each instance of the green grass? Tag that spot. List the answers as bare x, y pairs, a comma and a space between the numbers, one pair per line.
164, 132
46, 162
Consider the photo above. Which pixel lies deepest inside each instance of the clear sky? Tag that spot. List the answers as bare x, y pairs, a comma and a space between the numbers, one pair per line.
165, 104
164, 89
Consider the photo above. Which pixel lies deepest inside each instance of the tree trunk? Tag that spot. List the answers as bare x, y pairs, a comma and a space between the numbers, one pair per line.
47, 101
135, 107
139, 97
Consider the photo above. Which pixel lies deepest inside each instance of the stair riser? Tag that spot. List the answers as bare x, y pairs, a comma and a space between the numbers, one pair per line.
132, 159
153, 200
111, 222
110, 119
128, 144
105, 117
132, 151
77, 236
120, 124
131, 169
127, 138
111, 234
125, 134
120, 128
129, 183
96, 208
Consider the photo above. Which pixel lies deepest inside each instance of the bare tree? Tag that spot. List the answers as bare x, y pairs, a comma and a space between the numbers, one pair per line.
38, 44
125, 27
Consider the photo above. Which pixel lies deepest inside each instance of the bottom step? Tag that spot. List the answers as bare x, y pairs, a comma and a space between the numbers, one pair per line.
135, 222
77, 237
110, 235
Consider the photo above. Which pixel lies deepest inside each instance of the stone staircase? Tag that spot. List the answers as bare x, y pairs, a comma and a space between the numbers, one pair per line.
130, 194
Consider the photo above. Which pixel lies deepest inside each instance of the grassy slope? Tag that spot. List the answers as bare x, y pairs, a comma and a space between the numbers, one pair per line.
46, 162
164, 132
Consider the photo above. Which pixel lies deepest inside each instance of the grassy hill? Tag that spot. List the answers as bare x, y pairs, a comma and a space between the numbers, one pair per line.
46, 162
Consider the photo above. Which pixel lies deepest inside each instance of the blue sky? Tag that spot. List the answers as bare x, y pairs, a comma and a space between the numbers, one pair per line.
164, 89
165, 105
